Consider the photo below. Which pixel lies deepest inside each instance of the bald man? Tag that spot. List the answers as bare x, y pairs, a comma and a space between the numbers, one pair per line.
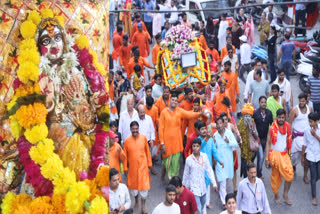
126, 118
146, 127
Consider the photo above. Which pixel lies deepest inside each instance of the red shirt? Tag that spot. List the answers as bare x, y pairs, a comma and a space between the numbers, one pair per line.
188, 149
187, 202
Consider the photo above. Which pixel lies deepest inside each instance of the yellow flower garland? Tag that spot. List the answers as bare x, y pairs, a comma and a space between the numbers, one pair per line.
32, 118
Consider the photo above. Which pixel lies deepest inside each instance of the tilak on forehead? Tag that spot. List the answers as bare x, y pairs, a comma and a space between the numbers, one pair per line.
49, 25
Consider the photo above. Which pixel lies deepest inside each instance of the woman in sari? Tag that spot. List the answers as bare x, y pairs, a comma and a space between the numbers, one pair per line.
249, 30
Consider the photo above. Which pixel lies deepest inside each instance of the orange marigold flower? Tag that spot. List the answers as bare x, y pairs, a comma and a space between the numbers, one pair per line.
29, 115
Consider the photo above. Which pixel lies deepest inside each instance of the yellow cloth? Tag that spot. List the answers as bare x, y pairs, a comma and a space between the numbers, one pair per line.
281, 167
247, 109
76, 154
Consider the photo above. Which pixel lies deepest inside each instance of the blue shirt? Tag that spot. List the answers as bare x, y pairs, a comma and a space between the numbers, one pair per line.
287, 48
163, 34
225, 154
210, 150
148, 6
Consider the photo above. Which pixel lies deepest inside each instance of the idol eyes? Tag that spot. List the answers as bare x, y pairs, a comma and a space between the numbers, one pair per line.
58, 37
46, 40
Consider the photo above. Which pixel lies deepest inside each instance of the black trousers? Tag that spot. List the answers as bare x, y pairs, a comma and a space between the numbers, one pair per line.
149, 28
243, 212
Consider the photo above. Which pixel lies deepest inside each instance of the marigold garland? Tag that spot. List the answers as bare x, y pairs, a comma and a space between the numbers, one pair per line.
28, 29
98, 206
28, 71
40, 153
46, 13
36, 133
29, 115
29, 127
6, 205
78, 194
35, 17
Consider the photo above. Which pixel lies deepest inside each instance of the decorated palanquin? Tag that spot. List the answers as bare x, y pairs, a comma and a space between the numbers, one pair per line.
54, 117
180, 40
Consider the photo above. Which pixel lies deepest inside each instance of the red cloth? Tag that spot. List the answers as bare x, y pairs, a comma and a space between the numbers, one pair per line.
312, 18
235, 160
285, 130
188, 149
187, 202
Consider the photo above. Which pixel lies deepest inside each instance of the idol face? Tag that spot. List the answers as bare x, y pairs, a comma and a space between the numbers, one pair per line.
51, 43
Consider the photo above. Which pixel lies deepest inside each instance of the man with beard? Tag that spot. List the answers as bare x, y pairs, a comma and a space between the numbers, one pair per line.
298, 120
248, 132
211, 50
232, 57
263, 119
207, 147
141, 39
171, 137
136, 165
252, 196
190, 122
285, 89
164, 100
137, 59
224, 50
232, 85
168, 206
278, 149
224, 142
212, 88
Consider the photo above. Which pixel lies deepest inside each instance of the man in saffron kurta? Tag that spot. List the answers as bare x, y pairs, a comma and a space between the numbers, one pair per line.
117, 43
190, 122
211, 50
115, 153
125, 53
164, 100
170, 135
140, 39
195, 134
137, 59
232, 85
224, 50
137, 163
135, 27
220, 107
278, 150
187, 104
155, 49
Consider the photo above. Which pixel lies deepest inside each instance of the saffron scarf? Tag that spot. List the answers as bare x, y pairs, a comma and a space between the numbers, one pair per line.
283, 130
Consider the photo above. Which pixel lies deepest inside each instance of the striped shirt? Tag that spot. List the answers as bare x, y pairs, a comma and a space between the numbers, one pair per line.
314, 84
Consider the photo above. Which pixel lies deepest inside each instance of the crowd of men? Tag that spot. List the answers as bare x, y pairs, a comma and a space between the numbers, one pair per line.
194, 131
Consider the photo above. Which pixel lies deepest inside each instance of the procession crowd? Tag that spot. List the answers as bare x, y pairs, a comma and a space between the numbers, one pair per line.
195, 129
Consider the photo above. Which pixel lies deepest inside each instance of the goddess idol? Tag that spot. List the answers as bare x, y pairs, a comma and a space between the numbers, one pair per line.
58, 115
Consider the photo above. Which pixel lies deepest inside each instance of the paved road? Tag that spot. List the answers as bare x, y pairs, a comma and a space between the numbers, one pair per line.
300, 193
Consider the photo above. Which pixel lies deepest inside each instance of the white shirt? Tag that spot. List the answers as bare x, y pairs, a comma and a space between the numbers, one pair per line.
312, 144
194, 174
163, 209
252, 198
222, 33
157, 91
119, 198
245, 54
146, 127
124, 124
281, 144
233, 61
174, 15
285, 86
250, 80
